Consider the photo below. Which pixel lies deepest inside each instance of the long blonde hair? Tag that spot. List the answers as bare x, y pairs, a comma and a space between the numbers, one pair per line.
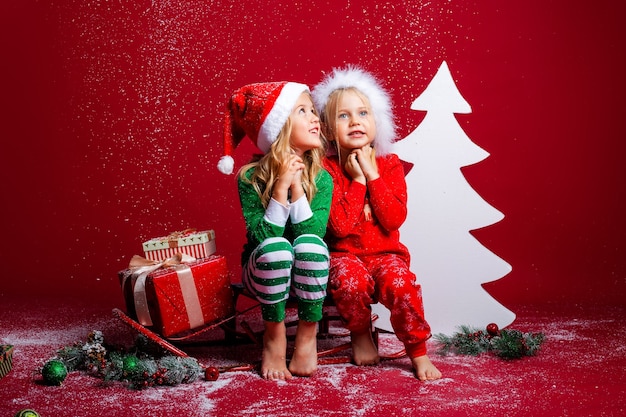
328, 118
266, 168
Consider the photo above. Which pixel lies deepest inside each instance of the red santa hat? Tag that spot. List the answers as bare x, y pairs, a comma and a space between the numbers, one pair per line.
258, 111
355, 77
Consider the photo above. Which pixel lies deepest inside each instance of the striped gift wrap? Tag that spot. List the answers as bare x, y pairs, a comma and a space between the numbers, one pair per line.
197, 244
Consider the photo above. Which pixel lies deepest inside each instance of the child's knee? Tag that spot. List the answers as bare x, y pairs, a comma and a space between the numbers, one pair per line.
275, 249
310, 244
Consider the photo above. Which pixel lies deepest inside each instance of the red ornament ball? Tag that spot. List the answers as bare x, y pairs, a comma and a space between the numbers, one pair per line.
493, 329
211, 373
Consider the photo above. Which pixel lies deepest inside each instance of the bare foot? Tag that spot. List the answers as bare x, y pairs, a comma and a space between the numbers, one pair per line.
304, 360
364, 351
424, 368
274, 362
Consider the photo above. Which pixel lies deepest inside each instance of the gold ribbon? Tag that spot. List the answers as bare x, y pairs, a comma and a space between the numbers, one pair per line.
172, 238
190, 296
140, 269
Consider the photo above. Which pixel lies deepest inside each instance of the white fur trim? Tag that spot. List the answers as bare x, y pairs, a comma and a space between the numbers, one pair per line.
226, 164
279, 114
352, 76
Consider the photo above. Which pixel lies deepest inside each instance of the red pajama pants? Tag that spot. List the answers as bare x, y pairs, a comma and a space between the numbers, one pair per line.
356, 283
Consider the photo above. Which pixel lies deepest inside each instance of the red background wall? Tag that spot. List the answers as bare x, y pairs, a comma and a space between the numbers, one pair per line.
112, 114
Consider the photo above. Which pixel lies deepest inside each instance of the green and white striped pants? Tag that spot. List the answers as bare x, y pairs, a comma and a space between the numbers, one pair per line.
275, 263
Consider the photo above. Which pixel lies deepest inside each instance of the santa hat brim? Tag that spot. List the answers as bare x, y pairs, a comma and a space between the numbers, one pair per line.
278, 115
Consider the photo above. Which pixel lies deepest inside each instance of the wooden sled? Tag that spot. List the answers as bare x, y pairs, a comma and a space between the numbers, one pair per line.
236, 331
211, 373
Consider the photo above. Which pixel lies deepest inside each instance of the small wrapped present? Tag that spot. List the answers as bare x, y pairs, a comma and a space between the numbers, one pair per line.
6, 360
177, 295
196, 244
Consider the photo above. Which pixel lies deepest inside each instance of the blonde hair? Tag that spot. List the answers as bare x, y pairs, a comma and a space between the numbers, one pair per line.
266, 168
328, 117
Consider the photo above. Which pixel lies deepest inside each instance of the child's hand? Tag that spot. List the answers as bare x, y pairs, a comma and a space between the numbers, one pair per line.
296, 188
364, 158
289, 177
354, 169
290, 167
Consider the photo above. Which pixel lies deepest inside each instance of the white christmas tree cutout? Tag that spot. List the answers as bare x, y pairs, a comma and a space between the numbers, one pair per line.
443, 208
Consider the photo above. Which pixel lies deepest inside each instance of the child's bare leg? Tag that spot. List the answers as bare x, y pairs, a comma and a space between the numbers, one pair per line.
304, 360
364, 351
424, 368
274, 362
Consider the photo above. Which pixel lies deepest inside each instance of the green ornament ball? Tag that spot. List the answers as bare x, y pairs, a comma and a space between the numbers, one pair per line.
130, 364
54, 372
27, 413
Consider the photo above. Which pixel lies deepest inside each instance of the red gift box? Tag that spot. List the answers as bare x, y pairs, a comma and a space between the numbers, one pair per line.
181, 297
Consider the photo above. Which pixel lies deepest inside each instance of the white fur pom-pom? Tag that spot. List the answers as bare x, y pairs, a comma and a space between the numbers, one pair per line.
226, 165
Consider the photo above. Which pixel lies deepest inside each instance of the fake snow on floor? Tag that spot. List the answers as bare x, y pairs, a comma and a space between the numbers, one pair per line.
578, 372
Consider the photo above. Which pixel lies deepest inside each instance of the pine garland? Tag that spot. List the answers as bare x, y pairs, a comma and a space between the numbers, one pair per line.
505, 344
135, 367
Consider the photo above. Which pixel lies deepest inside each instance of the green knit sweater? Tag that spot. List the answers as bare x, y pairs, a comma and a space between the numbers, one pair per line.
261, 223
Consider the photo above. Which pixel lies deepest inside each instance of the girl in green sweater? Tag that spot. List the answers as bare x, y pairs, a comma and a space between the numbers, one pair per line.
285, 196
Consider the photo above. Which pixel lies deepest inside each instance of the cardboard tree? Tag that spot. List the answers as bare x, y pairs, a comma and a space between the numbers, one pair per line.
443, 208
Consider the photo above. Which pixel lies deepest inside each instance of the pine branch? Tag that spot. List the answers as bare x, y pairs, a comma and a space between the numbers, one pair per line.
506, 344
135, 366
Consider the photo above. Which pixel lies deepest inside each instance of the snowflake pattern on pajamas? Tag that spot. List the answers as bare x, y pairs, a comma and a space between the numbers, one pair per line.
369, 264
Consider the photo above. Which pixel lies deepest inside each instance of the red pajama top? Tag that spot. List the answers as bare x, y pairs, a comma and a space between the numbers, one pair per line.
348, 230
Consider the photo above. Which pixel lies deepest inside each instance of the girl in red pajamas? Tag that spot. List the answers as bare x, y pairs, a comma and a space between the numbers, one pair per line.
368, 262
